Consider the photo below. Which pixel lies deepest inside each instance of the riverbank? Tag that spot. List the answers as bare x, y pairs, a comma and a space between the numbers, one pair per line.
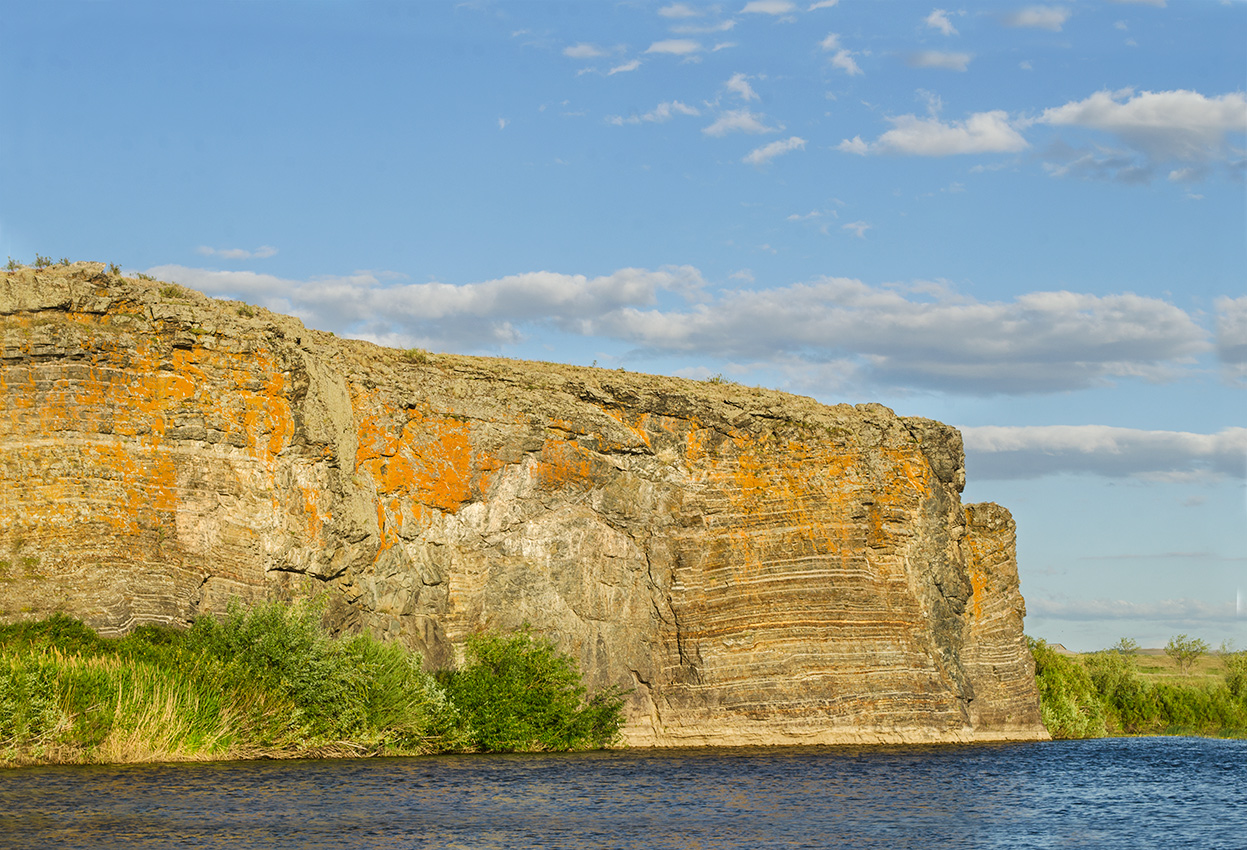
1117, 693
270, 683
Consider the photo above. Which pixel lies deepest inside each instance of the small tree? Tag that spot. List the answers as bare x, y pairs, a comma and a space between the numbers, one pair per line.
1185, 651
1125, 646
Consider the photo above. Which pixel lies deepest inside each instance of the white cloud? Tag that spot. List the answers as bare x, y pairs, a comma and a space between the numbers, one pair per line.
1188, 612
995, 452
661, 113
261, 253
440, 315
857, 228
679, 10
583, 51
723, 45
940, 59
675, 46
938, 20
738, 121
982, 132
764, 154
822, 4
1159, 4
739, 84
625, 67
701, 29
1231, 329
833, 331
843, 58
769, 7
1039, 17
502, 123
1168, 125
845, 62
854, 145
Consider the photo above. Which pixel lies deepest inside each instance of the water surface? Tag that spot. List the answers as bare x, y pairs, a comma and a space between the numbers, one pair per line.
1111, 793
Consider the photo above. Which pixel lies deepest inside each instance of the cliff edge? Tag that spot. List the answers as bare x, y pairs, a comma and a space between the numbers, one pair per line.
757, 567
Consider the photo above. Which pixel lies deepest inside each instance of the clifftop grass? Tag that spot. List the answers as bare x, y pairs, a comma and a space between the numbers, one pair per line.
268, 682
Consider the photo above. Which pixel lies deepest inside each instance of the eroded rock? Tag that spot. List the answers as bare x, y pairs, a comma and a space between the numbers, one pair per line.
755, 566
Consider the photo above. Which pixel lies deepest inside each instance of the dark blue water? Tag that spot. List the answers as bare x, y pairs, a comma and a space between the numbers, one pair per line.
1128, 793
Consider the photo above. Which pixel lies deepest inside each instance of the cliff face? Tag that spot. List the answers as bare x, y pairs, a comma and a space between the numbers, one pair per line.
757, 567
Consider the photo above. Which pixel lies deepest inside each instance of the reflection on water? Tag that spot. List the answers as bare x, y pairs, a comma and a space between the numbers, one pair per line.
1129, 793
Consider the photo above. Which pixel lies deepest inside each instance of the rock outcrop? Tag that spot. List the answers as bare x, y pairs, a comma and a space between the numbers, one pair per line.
755, 566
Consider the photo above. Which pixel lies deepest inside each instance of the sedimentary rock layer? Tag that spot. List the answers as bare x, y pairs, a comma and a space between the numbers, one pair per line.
756, 567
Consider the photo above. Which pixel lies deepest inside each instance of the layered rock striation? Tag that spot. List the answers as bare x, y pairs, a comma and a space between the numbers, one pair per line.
756, 567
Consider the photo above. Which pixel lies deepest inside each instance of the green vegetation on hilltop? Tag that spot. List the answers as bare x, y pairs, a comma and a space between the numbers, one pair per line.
1106, 693
269, 682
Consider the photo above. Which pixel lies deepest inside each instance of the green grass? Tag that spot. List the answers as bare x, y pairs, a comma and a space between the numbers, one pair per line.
269, 682
1115, 693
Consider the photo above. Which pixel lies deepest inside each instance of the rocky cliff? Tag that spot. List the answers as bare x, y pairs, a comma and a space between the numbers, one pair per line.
755, 566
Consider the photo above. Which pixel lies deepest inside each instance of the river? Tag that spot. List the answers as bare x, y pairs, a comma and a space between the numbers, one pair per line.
1109, 793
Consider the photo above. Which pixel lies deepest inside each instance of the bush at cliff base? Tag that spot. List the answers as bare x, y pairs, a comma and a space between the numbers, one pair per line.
261, 682
518, 693
1102, 693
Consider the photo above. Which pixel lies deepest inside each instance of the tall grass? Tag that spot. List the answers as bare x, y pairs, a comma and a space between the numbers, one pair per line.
261, 682
1102, 693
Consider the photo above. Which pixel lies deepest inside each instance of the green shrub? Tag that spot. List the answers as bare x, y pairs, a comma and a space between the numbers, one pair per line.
1069, 704
1236, 673
519, 693
270, 681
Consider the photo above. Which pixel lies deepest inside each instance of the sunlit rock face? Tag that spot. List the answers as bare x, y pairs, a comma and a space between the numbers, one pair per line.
756, 567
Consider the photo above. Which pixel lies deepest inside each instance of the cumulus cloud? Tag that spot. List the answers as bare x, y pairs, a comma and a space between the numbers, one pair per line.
739, 85
938, 20
1039, 17
769, 7
935, 339
738, 121
822, 4
444, 316
834, 330
764, 154
940, 59
1179, 611
857, 228
702, 29
1232, 338
659, 114
994, 452
261, 253
841, 57
675, 46
583, 51
625, 67
679, 10
1168, 125
982, 132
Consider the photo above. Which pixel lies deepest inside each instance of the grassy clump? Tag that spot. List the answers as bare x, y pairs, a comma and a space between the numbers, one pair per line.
262, 682
1103, 693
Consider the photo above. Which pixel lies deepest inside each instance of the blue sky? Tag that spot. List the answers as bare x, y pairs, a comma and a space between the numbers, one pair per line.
1025, 220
